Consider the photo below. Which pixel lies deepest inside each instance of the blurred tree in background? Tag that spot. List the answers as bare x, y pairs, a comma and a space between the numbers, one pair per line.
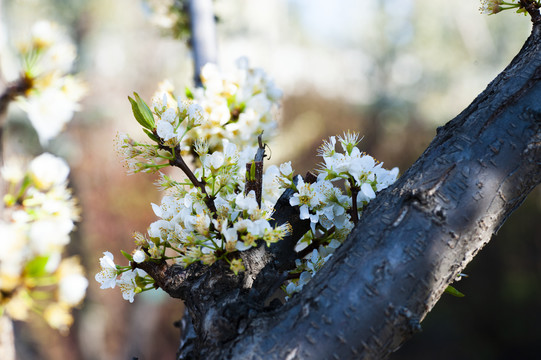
393, 70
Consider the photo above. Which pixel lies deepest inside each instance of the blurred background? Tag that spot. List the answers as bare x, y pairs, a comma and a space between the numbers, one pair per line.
393, 70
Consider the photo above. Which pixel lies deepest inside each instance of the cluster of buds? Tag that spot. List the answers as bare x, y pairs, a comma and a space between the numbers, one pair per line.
35, 224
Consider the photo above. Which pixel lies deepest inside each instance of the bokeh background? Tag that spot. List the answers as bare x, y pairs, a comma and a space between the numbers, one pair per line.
393, 70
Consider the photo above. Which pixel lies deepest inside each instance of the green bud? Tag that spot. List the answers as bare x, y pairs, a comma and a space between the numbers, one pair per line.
451, 290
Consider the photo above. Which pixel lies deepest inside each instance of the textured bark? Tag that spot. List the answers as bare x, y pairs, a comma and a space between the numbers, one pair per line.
410, 243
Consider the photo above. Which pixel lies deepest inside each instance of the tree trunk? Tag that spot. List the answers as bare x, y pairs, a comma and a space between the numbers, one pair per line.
203, 35
410, 243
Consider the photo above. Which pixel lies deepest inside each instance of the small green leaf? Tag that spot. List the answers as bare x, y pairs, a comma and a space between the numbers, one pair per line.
126, 255
152, 136
145, 110
451, 290
137, 114
142, 112
36, 266
189, 93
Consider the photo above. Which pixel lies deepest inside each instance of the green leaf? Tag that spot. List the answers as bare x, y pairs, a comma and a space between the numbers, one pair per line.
142, 112
152, 136
126, 255
145, 110
451, 290
36, 266
189, 93
137, 114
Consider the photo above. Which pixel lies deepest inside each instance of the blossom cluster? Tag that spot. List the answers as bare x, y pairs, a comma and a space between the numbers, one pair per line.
236, 105
332, 209
211, 214
52, 94
130, 282
491, 7
38, 216
209, 223
207, 216
233, 107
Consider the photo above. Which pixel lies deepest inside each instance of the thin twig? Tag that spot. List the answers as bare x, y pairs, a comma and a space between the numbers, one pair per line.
315, 243
354, 192
179, 162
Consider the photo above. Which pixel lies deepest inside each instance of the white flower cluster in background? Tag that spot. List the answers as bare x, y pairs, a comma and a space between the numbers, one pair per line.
38, 216
53, 94
170, 15
333, 211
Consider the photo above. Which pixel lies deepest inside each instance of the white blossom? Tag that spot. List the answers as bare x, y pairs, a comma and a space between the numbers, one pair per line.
127, 285
107, 276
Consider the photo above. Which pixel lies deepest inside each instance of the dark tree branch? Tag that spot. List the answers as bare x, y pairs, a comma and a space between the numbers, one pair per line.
533, 9
416, 236
410, 243
17, 88
179, 162
13, 90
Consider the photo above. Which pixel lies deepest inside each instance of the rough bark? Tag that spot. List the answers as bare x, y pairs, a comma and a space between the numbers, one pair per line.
410, 243
416, 236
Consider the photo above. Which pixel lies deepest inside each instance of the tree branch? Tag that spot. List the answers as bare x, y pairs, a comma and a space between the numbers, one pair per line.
410, 243
417, 235
203, 36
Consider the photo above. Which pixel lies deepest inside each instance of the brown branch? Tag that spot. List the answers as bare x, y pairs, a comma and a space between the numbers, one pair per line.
179, 162
169, 278
13, 90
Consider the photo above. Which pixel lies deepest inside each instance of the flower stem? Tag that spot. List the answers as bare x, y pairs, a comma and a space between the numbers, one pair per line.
179, 162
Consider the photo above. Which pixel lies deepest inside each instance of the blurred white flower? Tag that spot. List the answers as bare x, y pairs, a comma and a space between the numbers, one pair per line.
48, 170
72, 284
